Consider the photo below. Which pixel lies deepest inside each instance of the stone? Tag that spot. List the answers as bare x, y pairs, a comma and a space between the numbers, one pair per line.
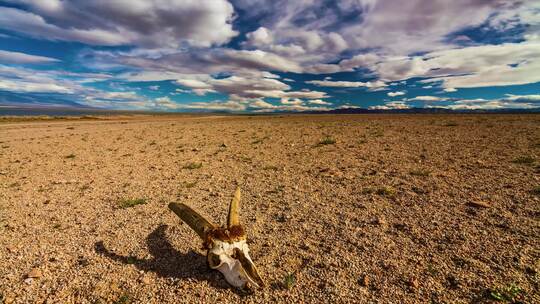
479, 204
146, 280
34, 273
413, 282
364, 281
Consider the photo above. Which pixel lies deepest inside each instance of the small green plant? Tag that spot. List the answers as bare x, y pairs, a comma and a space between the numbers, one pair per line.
524, 160
386, 191
420, 172
506, 294
536, 190
190, 184
326, 141
278, 189
123, 299
70, 156
244, 158
192, 166
368, 190
362, 141
128, 203
432, 270
451, 124
289, 281
377, 133
131, 260
57, 226
271, 168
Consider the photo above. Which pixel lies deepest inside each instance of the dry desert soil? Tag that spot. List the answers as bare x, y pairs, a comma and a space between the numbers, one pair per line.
338, 209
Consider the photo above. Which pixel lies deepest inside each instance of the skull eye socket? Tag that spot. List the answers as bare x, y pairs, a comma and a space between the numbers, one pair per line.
214, 260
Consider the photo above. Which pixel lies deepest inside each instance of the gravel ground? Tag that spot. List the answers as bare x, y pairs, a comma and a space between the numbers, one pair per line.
365, 208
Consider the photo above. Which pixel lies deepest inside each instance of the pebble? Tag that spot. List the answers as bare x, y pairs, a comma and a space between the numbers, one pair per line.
146, 280
364, 281
414, 283
8, 299
34, 273
380, 221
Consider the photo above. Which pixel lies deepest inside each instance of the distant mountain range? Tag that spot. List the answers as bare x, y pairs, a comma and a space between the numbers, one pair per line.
423, 111
30, 109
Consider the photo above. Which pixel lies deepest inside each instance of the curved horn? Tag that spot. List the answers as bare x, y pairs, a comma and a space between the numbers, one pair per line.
233, 218
194, 220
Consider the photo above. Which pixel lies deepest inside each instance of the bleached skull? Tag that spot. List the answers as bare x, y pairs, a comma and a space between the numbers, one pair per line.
227, 249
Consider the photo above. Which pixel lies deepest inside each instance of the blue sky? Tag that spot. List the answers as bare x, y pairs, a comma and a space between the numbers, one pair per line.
269, 56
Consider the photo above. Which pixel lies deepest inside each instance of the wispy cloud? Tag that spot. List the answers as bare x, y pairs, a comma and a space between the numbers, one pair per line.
17, 57
394, 94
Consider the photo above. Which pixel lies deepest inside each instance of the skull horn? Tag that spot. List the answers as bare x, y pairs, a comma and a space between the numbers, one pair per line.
233, 218
194, 220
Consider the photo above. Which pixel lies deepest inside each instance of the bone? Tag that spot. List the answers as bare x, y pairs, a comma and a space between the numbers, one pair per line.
233, 219
194, 220
249, 267
227, 250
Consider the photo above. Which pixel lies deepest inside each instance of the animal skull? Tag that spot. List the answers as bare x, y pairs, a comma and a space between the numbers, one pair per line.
227, 249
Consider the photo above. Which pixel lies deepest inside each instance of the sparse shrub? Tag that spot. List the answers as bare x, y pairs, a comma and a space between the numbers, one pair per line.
451, 124
190, 184
420, 172
272, 168
386, 191
278, 189
289, 281
123, 299
525, 160
128, 203
367, 190
70, 156
506, 294
536, 190
131, 260
432, 270
377, 133
244, 158
192, 166
327, 141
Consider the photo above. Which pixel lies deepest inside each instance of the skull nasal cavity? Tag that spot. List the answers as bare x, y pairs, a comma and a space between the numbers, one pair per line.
237, 253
